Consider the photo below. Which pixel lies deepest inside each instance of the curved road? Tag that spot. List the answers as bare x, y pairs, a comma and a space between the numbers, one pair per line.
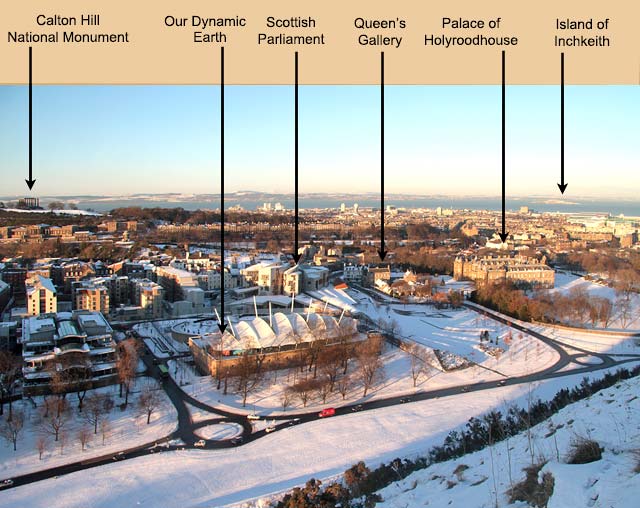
186, 431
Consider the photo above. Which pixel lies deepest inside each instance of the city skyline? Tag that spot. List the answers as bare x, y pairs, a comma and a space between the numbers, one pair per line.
439, 140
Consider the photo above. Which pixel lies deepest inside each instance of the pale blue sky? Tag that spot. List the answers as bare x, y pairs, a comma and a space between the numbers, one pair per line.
440, 139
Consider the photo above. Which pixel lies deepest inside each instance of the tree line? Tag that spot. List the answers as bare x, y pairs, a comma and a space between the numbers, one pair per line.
359, 485
54, 417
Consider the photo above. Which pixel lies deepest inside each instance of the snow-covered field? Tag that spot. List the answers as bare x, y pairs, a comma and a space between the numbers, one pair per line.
219, 431
126, 429
325, 448
566, 282
600, 342
454, 331
279, 461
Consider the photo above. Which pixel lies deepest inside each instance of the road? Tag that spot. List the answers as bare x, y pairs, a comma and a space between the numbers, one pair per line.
185, 435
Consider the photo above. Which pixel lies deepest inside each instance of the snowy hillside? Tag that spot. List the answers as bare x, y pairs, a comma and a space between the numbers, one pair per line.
610, 417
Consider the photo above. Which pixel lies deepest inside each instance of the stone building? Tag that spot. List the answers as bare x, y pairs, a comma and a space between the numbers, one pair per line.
494, 269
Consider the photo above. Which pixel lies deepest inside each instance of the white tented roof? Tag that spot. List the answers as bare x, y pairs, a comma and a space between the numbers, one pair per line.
288, 329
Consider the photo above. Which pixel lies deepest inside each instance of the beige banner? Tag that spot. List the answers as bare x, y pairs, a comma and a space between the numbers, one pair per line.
339, 42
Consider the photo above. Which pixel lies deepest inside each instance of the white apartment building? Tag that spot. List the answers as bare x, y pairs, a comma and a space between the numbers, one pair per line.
42, 296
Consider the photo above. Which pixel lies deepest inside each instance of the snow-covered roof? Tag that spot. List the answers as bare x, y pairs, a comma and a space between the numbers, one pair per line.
288, 329
39, 282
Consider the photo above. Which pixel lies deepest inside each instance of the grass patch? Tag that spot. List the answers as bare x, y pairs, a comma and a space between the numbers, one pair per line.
530, 490
584, 451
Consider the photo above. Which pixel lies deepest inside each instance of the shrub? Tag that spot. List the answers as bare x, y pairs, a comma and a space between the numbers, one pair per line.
583, 451
530, 490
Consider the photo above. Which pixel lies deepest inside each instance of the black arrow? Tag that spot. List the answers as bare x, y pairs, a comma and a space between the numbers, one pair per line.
296, 255
504, 234
221, 325
562, 186
382, 252
31, 180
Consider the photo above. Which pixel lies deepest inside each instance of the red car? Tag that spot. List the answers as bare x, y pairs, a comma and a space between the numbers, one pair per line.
330, 411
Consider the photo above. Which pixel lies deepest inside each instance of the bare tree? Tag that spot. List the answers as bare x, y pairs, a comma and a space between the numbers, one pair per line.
62, 441
605, 310
70, 372
624, 307
346, 350
287, 398
11, 428
97, 406
149, 400
248, 376
55, 421
303, 390
417, 362
127, 364
323, 388
105, 429
10, 366
330, 363
370, 367
55, 406
41, 446
312, 353
344, 384
84, 436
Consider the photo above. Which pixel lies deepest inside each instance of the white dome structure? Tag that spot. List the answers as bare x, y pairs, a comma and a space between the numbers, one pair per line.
288, 331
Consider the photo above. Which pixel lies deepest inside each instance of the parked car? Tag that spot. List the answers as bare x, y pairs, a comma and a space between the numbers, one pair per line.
119, 456
465, 389
253, 416
5, 484
238, 440
404, 400
270, 428
295, 421
359, 407
200, 443
502, 382
329, 411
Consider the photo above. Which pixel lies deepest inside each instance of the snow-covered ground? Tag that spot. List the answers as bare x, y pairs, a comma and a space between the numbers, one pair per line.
219, 431
600, 342
450, 331
610, 417
567, 282
126, 429
279, 461
322, 448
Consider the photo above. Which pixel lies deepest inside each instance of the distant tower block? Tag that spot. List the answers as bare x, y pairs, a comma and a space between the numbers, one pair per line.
343, 208
355, 208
